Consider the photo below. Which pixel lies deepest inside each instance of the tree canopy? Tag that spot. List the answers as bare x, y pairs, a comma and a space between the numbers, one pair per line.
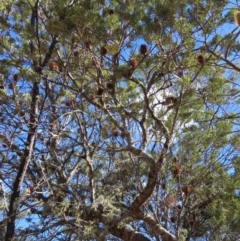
119, 120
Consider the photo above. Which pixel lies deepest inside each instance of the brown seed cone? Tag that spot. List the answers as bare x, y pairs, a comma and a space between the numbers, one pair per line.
143, 49
100, 91
186, 190
15, 77
201, 59
92, 97
115, 133
89, 44
103, 51
76, 53
177, 171
12, 85
237, 18
173, 219
110, 11
133, 63
191, 222
74, 40
110, 86
170, 100
52, 65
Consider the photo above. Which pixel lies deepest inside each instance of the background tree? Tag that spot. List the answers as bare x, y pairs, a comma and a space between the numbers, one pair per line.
119, 120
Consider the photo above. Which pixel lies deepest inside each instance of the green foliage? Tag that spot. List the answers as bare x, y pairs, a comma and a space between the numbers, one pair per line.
96, 147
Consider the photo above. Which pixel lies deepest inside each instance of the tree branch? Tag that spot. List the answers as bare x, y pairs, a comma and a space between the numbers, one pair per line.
126, 234
156, 227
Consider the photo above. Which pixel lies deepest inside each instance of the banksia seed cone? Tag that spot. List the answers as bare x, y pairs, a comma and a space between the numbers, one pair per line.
111, 11
115, 133
74, 40
201, 59
110, 86
103, 51
76, 53
12, 86
15, 77
143, 49
237, 18
133, 63
186, 190
52, 65
100, 91
170, 100
177, 171
88, 44
191, 222
68, 103
173, 219
171, 201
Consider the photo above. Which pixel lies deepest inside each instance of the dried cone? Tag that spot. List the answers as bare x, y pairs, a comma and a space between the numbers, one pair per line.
68, 103
92, 97
110, 86
191, 222
171, 201
76, 53
88, 44
201, 59
15, 77
74, 102
100, 91
177, 171
51, 126
237, 18
12, 85
143, 49
133, 63
111, 11
103, 51
180, 73
115, 133
52, 65
74, 40
186, 190
106, 127
170, 100
173, 219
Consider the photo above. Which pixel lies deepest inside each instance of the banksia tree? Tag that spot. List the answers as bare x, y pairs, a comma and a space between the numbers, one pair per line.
104, 137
